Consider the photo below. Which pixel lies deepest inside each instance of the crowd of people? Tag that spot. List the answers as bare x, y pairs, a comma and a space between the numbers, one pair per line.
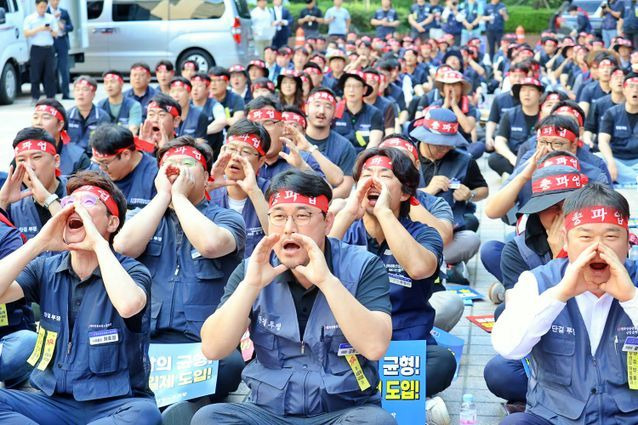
322, 197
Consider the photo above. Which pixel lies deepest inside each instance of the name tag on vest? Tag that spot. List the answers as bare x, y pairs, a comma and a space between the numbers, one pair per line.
341, 123
397, 279
104, 337
631, 344
195, 254
621, 127
517, 128
346, 350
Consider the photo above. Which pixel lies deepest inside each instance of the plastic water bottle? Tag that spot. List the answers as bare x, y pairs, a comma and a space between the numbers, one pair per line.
468, 411
633, 253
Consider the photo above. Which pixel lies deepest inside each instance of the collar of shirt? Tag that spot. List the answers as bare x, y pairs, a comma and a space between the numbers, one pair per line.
289, 277
65, 266
594, 311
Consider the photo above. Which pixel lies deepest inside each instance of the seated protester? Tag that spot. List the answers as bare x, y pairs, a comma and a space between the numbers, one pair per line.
373, 79
455, 90
121, 110
245, 152
516, 125
623, 46
603, 104
85, 116
547, 54
557, 132
239, 82
190, 247
321, 108
233, 103
163, 118
451, 174
36, 168
140, 91
618, 136
189, 69
300, 58
132, 171
604, 62
336, 64
390, 69
50, 115
266, 110
290, 88
538, 244
377, 217
192, 121
416, 74
17, 325
87, 375
257, 69
210, 108
164, 72
503, 101
306, 85
262, 87
315, 72
320, 294
419, 104
270, 60
473, 71
590, 295
360, 123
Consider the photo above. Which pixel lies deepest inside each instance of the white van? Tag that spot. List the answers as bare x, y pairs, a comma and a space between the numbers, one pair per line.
122, 32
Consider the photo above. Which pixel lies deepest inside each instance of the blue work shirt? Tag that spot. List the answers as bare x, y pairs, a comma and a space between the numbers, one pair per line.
194, 124
391, 15
80, 129
268, 171
498, 23
623, 130
338, 150
144, 99
138, 186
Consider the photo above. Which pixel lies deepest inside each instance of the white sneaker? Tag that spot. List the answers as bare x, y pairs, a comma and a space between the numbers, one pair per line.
436, 412
496, 293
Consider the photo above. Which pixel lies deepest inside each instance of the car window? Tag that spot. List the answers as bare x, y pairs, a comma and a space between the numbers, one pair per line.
209, 9
588, 6
94, 9
242, 9
125, 10
5, 5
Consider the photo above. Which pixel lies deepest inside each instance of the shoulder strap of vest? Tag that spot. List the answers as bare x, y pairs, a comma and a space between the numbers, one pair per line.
531, 258
8, 222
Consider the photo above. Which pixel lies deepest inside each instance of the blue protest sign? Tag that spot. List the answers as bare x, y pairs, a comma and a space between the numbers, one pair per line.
465, 292
180, 372
451, 342
402, 373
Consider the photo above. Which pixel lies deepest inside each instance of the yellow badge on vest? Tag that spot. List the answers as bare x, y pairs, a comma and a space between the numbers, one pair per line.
49, 349
353, 361
4, 317
632, 370
35, 355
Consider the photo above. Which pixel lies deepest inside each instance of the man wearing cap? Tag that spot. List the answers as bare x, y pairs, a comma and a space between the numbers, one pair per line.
503, 101
239, 82
282, 20
233, 103
336, 63
50, 115
85, 116
190, 246
121, 110
256, 69
554, 178
601, 105
575, 317
141, 91
516, 125
115, 153
453, 175
90, 359
304, 304
359, 122
164, 72
192, 121
210, 108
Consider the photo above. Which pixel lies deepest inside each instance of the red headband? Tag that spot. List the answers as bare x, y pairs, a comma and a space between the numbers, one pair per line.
168, 108
618, 71
292, 197
322, 95
161, 68
236, 68
97, 154
565, 160
188, 151
264, 114
375, 77
595, 214
633, 80
64, 136
250, 139
571, 112
35, 145
103, 195
312, 70
181, 84
83, 82
293, 117
257, 63
440, 126
114, 77
378, 161
141, 68
218, 77
200, 80
605, 62
552, 131
269, 85
559, 182
395, 142
189, 65
552, 97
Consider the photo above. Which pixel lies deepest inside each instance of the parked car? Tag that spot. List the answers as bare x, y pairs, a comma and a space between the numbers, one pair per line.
564, 23
122, 32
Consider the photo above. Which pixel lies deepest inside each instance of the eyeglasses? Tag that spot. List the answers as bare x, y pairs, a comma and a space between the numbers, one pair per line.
300, 218
246, 153
104, 165
186, 162
88, 200
557, 146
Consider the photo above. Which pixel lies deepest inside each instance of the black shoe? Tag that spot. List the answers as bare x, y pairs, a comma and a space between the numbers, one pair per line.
67, 97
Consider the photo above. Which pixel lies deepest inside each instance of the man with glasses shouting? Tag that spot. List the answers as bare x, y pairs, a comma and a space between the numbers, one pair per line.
318, 311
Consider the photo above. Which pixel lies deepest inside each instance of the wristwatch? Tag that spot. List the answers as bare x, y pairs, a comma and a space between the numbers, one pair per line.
472, 195
312, 149
50, 199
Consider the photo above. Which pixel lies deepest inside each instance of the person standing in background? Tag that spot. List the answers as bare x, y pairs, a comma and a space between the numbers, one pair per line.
495, 16
338, 20
310, 18
40, 28
611, 11
282, 19
61, 44
263, 27
385, 19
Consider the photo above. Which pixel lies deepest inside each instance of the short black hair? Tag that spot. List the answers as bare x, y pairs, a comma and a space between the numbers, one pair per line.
202, 75
245, 126
40, 1
57, 106
264, 101
114, 72
594, 194
402, 167
559, 121
141, 65
108, 138
322, 89
190, 61
305, 183
313, 65
219, 71
168, 64
571, 104
561, 96
262, 82
96, 178
192, 142
164, 100
370, 70
572, 8
182, 80
33, 133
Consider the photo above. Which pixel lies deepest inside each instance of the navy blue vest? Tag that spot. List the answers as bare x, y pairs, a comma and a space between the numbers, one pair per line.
139, 185
123, 117
356, 128
568, 384
71, 156
25, 215
191, 125
303, 375
624, 140
186, 286
531, 258
519, 131
80, 130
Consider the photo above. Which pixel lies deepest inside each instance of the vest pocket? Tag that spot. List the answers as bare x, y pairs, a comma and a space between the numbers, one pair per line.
558, 358
268, 387
266, 348
104, 359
